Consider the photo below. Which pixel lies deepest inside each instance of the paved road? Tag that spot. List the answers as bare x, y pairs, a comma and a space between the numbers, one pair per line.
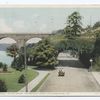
76, 79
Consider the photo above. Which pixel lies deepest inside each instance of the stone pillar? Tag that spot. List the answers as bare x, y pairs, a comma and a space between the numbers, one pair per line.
20, 43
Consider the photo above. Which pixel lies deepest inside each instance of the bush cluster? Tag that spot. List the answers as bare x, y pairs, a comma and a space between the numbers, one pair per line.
21, 79
3, 87
4, 67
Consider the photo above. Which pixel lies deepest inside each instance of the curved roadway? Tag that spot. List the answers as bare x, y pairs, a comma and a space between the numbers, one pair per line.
76, 79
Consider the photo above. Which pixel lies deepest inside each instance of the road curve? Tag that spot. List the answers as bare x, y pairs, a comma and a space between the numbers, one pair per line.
76, 79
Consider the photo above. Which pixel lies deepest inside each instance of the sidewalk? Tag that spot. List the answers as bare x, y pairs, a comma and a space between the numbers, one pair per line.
96, 76
35, 82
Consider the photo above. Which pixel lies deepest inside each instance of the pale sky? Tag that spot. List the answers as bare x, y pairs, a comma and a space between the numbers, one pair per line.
42, 20
30, 20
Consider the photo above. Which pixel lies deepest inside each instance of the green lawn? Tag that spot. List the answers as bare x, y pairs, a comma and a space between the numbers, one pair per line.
11, 79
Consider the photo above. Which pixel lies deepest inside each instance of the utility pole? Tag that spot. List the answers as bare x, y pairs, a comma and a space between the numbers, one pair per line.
25, 66
91, 21
52, 23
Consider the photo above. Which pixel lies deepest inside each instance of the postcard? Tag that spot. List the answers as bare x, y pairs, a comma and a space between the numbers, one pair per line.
50, 50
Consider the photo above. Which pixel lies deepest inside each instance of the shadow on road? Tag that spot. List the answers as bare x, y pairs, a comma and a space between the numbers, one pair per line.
71, 63
43, 68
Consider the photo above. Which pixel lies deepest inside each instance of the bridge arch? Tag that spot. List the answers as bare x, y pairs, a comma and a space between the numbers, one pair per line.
33, 40
7, 40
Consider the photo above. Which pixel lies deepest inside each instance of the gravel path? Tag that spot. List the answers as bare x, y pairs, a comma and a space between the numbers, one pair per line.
76, 79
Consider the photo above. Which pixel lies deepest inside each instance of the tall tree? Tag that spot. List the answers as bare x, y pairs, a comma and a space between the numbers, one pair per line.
12, 51
74, 24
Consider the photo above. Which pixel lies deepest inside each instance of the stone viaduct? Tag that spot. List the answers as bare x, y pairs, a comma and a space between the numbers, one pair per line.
22, 38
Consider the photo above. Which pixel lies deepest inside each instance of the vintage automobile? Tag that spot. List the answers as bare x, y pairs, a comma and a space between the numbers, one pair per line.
61, 73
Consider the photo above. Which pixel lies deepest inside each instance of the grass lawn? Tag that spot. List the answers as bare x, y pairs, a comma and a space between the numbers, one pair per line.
11, 79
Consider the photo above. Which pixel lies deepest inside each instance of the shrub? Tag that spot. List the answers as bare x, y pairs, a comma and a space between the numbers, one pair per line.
3, 87
96, 65
21, 79
1, 64
4, 68
84, 58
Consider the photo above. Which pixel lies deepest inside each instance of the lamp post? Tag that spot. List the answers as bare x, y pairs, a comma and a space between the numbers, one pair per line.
90, 69
25, 66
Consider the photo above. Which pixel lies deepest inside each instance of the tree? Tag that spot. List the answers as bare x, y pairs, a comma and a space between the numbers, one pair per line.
96, 51
68, 31
5, 68
96, 25
19, 65
88, 29
74, 24
58, 41
1, 64
21, 79
45, 55
12, 51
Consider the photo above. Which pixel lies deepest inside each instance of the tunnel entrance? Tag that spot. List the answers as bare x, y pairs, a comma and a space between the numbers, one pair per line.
67, 60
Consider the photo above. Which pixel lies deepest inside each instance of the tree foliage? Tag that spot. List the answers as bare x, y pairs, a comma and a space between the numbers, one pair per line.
1, 64
74, 24
19, 65
21, 79
13, 51
58, 41
96, 25
5, 68
45, 55
81, 47
96, 51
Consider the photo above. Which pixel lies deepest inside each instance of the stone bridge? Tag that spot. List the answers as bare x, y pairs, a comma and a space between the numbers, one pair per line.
22, 38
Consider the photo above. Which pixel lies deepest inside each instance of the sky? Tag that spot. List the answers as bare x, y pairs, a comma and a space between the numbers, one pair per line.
42, 19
